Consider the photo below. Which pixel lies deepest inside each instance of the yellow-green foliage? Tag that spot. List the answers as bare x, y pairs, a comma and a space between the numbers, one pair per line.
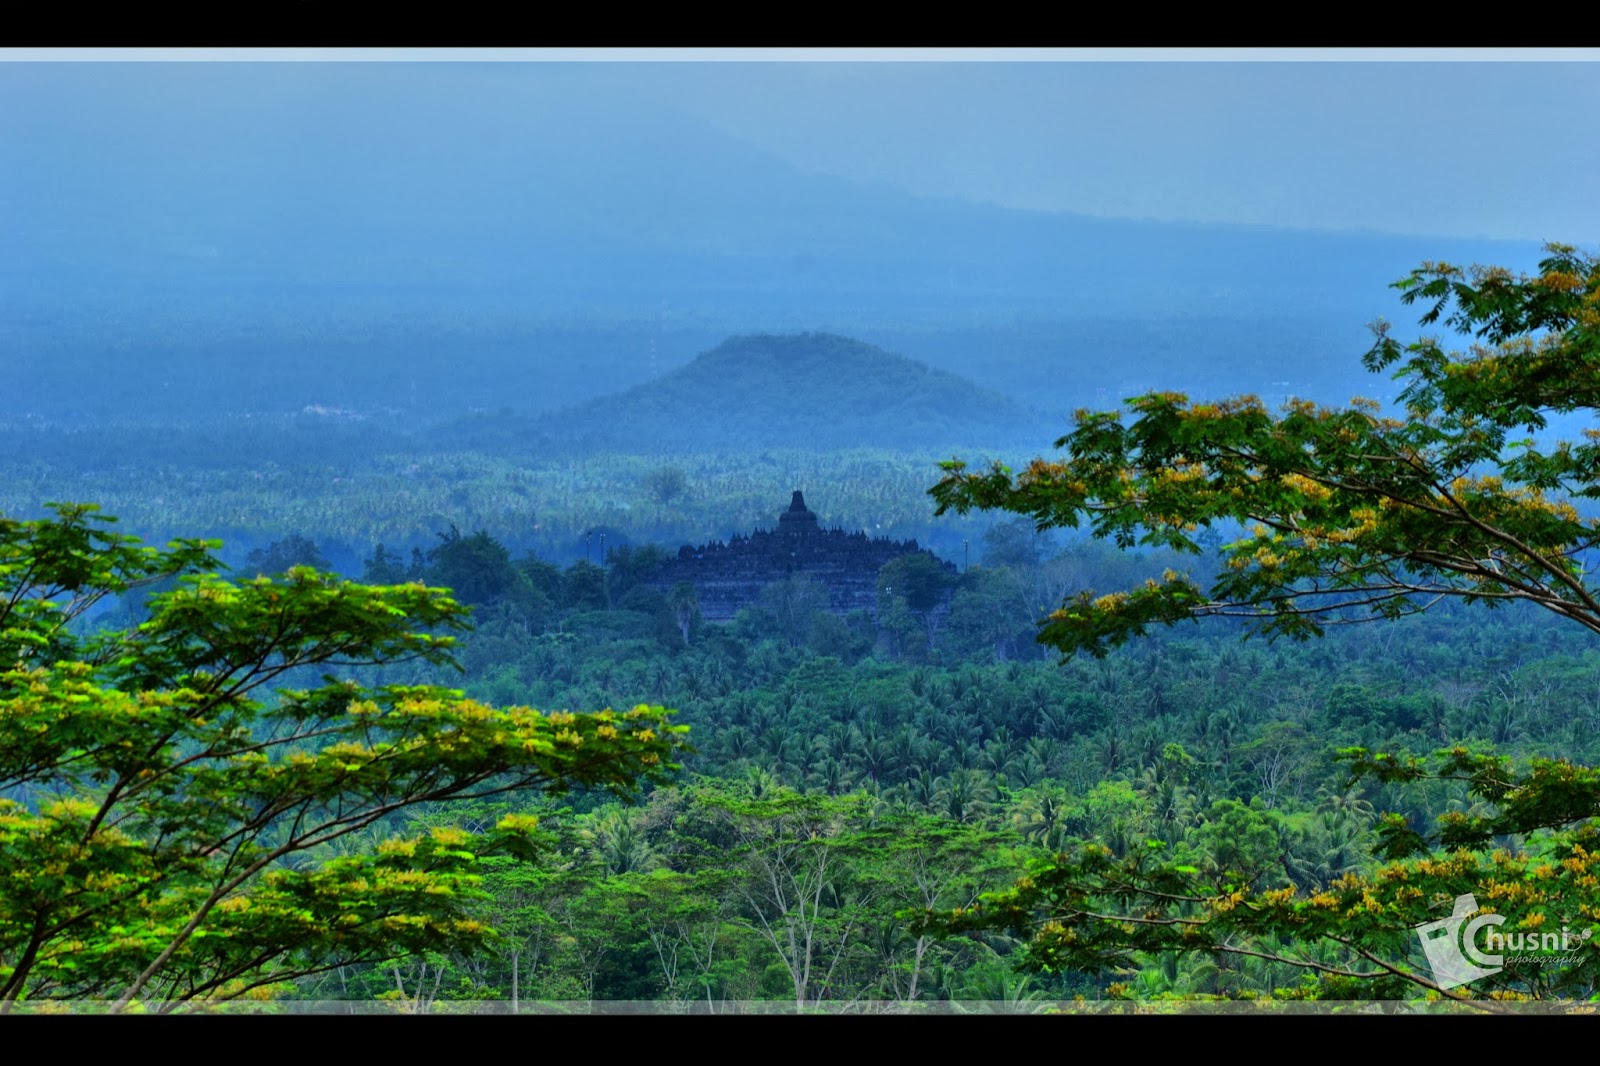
159, 792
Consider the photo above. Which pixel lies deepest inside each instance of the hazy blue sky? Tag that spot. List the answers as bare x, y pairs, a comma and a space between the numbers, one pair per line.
1463, 149
1452, 148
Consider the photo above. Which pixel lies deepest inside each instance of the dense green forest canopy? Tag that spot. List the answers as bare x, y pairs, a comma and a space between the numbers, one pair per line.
163, 786
970, 745
1195, 818
392, 689
1356, 515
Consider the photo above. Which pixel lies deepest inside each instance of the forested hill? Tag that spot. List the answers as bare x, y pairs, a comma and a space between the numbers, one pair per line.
358, 239
813, 389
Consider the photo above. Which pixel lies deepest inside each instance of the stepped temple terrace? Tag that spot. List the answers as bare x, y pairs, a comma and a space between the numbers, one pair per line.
728, 577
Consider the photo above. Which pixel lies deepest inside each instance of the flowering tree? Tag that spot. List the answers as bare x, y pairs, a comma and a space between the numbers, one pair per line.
1350, 515
160, 798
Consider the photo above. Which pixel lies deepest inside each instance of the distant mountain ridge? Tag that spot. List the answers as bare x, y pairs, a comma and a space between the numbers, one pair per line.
367, 240
382, 189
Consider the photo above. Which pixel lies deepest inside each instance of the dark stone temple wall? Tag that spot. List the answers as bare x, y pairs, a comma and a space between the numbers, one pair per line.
730, 576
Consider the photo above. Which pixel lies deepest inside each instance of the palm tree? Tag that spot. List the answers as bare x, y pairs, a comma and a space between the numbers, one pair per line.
923, 789
1043, 816
1150, 740
997, 990
619, 843
831, 776
877, 758
1347, 803
736, 742
661, 677
1344, 844
760, 782
964, 795
999, 750
1056, 722
1171, 800
1112, 750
